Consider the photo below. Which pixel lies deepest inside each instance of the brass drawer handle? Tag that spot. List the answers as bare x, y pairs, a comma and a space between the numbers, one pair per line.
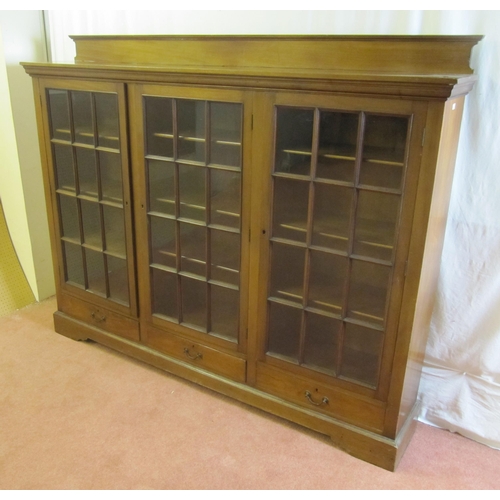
198, 355
98, 319
324, 401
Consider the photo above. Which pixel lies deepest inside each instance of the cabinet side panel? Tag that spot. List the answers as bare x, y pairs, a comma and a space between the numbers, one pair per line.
423, 268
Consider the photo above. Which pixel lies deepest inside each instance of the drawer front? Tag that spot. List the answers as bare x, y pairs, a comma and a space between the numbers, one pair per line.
99, 317
196, 354
357, 410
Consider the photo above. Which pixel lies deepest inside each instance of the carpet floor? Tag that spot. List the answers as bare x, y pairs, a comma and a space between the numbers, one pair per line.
79, 416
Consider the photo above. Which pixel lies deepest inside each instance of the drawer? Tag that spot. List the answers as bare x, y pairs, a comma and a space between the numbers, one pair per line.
338, 403
99, 317
196, 354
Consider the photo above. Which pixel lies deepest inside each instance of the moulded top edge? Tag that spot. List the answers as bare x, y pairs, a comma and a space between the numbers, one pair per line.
417, 38
419, 55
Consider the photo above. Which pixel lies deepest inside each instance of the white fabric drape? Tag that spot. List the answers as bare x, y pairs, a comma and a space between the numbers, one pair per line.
460, 387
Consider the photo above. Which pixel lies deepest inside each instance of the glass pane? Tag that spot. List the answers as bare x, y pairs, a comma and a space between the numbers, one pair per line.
159, 127
338, 135
225, 257
191, 130
332, 211
87, 172
194, 302
163, 242
284, 330
69, 217
59, 115
165, 294
321, 342
91, 224
193, 249
192, 192
118, 279
225, 131
294, 132
106, 107
225, 306
82, 117
114, 230
161, 187
327, 281
383, 151
225, 198
368, 291
287, 272
291, 201
95, 271
376, 218
361, 353
63, 159
111, 176
74, 263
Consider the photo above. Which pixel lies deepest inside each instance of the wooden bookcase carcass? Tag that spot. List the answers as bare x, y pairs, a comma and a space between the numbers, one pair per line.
261, 215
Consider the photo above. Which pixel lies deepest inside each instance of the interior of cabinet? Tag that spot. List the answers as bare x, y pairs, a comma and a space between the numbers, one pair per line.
194, 174
86, 153
337, 184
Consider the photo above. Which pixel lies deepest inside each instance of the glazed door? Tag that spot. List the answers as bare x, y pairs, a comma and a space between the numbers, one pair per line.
191, 167
340, 189
87, 156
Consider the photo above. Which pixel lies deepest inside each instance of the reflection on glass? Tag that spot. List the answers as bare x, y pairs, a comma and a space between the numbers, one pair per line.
163, 243
91, 224
225, 193
63, 159
287, 272
114, 230
161, 180
90, 168
321, 342
338, 137
368, 291
225, 256
284, 331
95, 272
194, 302
87, 172
332, 209
326, 281
118, 279
291, 201
82, 117
106, 107
294, 131
69, 217
224, 311
111, 176
159, 127
361, 353
192, 192
73, 264
165, 294
193, 249
376, 218
383, 151
59, 114
225, 131
191, 130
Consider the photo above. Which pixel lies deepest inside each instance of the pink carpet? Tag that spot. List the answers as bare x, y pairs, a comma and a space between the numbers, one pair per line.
78, 416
